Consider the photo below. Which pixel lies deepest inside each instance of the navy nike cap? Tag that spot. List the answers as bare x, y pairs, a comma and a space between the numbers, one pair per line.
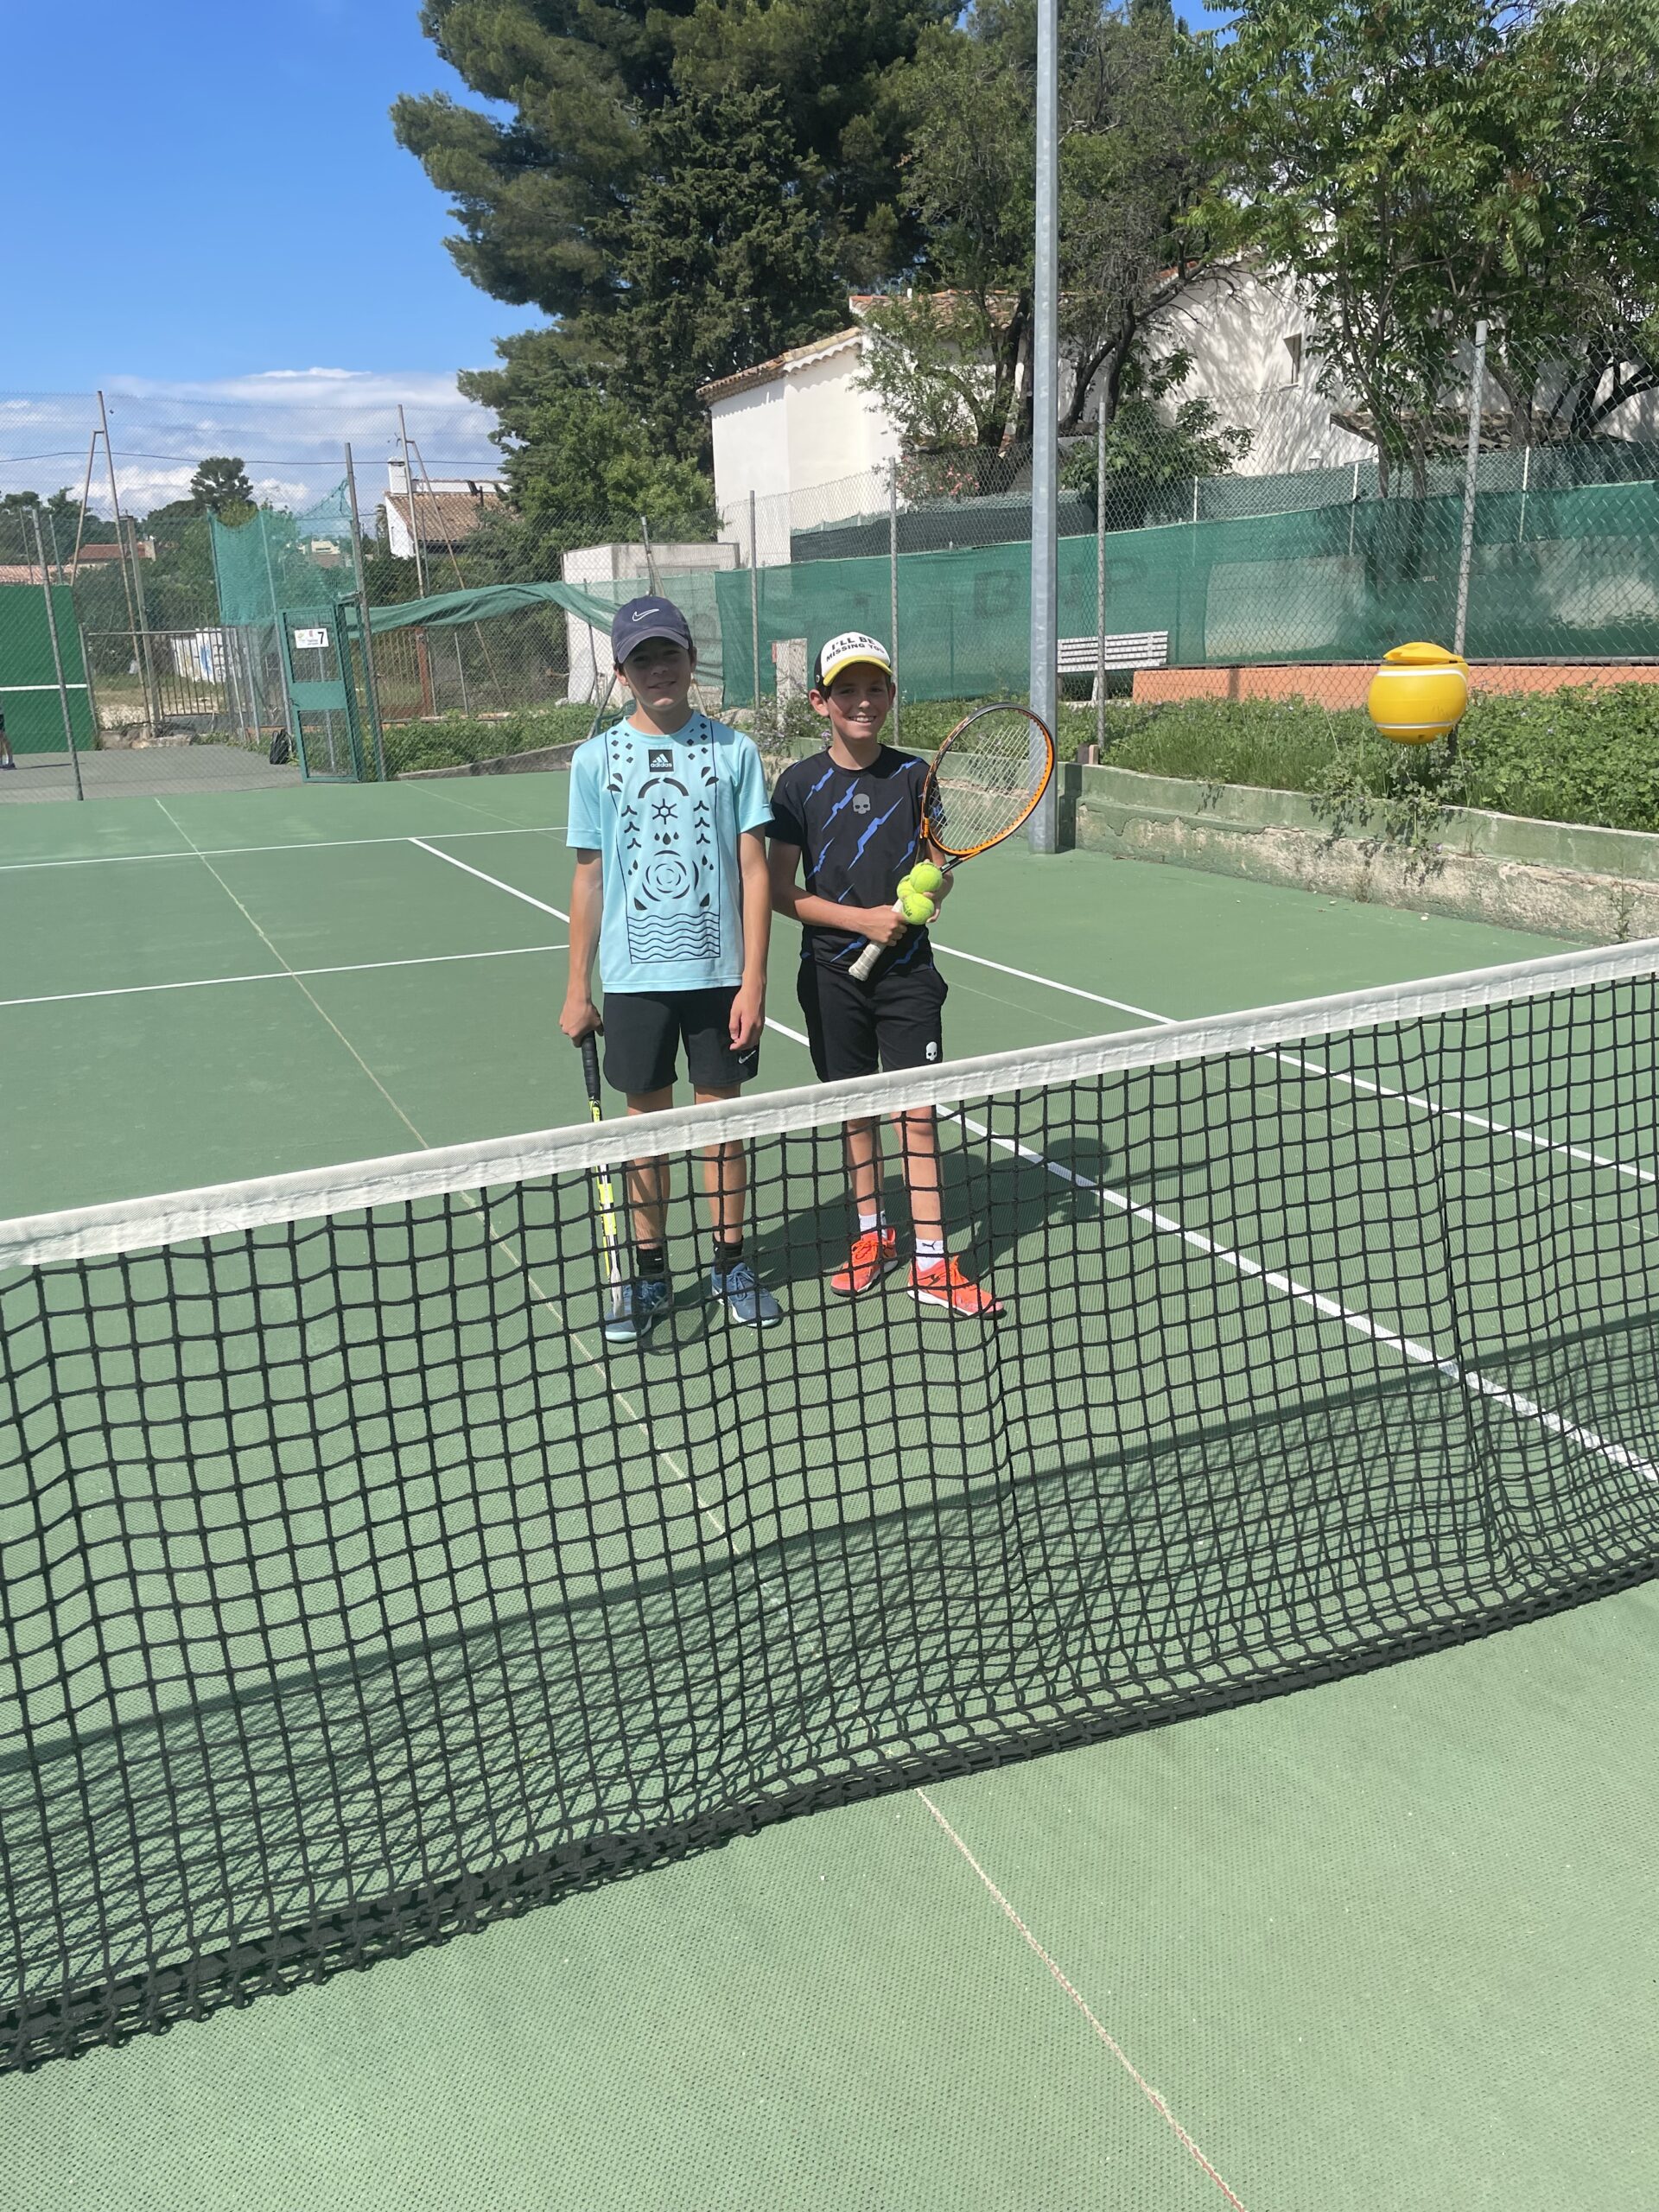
639, 620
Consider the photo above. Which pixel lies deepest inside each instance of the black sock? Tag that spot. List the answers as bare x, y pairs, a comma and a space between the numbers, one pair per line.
728, 1250
651, 1262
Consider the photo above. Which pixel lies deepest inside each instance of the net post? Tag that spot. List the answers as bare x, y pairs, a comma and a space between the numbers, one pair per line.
1044, 831
1470, 473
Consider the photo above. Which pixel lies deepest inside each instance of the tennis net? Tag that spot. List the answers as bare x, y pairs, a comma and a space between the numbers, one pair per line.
357, 1594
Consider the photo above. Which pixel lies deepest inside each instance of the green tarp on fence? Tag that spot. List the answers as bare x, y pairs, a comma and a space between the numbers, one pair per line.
28, 684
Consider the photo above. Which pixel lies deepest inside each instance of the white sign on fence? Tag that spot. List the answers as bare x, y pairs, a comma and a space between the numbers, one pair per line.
311, 641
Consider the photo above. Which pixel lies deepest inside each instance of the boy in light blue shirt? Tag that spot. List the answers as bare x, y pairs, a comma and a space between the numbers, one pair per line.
668, 818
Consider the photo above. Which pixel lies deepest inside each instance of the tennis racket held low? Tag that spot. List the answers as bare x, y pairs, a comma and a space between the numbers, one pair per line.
604, 1190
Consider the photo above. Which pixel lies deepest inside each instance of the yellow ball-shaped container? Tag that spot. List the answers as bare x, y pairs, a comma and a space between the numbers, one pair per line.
1418, 693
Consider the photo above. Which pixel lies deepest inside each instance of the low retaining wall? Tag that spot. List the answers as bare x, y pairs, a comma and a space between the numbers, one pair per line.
1592, 886
1344, 683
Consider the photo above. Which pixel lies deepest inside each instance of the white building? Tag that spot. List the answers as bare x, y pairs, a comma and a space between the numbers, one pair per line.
799, 434
813, 447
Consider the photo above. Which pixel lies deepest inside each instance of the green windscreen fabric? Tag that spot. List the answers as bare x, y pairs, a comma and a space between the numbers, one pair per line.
29, 698
1563, 574
275, 562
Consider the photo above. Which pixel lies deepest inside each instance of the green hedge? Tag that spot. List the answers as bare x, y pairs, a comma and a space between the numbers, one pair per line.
1574, 755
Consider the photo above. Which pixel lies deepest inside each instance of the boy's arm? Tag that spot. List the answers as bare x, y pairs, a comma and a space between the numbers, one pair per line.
749, 1007
881, 924
580, 1016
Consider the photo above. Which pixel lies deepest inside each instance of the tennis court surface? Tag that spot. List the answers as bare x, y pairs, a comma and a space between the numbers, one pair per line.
360, 1596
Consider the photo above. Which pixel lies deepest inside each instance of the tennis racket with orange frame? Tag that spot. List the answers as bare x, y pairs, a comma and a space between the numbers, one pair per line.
985, 780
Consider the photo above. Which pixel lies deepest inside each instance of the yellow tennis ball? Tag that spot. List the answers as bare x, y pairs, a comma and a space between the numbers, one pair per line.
919, 908
1418, 693
925, 877
906, 885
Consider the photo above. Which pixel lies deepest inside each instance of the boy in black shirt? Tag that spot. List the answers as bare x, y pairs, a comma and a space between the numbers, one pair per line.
853, 815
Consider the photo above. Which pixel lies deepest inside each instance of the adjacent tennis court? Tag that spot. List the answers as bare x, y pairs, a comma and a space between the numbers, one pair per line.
1281, 1916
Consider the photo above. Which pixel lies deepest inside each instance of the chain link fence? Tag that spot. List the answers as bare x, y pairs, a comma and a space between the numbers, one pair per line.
1221, 544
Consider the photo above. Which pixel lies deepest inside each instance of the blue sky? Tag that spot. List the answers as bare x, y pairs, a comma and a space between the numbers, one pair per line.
201, 190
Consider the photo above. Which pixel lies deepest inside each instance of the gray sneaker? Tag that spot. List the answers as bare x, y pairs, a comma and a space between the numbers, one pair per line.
745, 1298
644, 1302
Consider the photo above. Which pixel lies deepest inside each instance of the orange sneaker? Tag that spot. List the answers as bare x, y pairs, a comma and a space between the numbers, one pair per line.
874, 1254
942, 1282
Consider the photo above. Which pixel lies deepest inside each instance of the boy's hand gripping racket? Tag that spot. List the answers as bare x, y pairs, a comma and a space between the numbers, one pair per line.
986, 780
604, 1190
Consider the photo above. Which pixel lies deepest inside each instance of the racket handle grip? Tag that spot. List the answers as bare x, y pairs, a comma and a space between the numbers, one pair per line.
589, 1048
872, 952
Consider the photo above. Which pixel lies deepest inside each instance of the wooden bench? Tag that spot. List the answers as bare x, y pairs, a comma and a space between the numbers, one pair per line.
1138, 649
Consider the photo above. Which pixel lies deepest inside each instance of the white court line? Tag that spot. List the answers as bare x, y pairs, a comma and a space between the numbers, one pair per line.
274, 975
1415, 1099
1110, 2041
294, 845
1467, 1379
494, 881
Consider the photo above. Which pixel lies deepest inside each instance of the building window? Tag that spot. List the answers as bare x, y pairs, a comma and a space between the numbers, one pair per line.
1293, 349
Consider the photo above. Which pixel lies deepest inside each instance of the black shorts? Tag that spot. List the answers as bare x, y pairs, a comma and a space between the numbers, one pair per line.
892, 1020
643, 1030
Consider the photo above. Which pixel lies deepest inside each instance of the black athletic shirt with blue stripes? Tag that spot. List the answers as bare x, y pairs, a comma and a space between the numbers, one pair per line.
860, 831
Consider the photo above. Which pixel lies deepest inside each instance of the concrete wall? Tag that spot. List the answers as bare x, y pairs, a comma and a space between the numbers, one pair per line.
1589, 886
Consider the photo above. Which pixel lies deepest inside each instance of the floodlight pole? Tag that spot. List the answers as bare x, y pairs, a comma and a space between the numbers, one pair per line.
423, 662
1044, 831
1100, 577
892, 588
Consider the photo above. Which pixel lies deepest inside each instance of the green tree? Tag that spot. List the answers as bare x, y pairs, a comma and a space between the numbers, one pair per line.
579, 466
220, 483
947, 360
1418, 164
1154, 438
724, 264
544, 194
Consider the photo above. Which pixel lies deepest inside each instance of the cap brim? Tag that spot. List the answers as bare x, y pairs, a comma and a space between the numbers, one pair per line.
831, 670
649, 636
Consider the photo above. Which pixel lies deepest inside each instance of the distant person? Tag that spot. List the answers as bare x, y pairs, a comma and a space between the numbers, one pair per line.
7, 758
668, 819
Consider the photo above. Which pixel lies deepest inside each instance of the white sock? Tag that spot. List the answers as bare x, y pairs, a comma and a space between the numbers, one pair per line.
869, 1222
929, 1250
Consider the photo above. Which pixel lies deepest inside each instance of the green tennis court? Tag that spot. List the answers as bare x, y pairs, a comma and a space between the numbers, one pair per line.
1284, 1918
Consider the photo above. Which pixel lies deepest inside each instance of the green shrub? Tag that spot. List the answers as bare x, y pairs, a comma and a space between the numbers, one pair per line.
1573, 755
453, 740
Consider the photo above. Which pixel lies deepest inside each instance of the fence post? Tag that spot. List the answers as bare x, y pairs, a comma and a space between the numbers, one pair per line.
754, 609
57, 656
892, 588
1100, 579
121, 546
371, 692
152, 689
1470, 473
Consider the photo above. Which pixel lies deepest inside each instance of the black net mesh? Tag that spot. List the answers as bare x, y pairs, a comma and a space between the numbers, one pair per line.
356, 1592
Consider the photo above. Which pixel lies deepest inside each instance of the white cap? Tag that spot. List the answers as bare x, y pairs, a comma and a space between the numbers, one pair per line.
841, 652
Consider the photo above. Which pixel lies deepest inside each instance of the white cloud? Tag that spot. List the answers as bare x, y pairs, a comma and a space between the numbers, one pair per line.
289, 425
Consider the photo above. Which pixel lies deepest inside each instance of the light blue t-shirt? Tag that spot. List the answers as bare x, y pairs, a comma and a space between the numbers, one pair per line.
664, 815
